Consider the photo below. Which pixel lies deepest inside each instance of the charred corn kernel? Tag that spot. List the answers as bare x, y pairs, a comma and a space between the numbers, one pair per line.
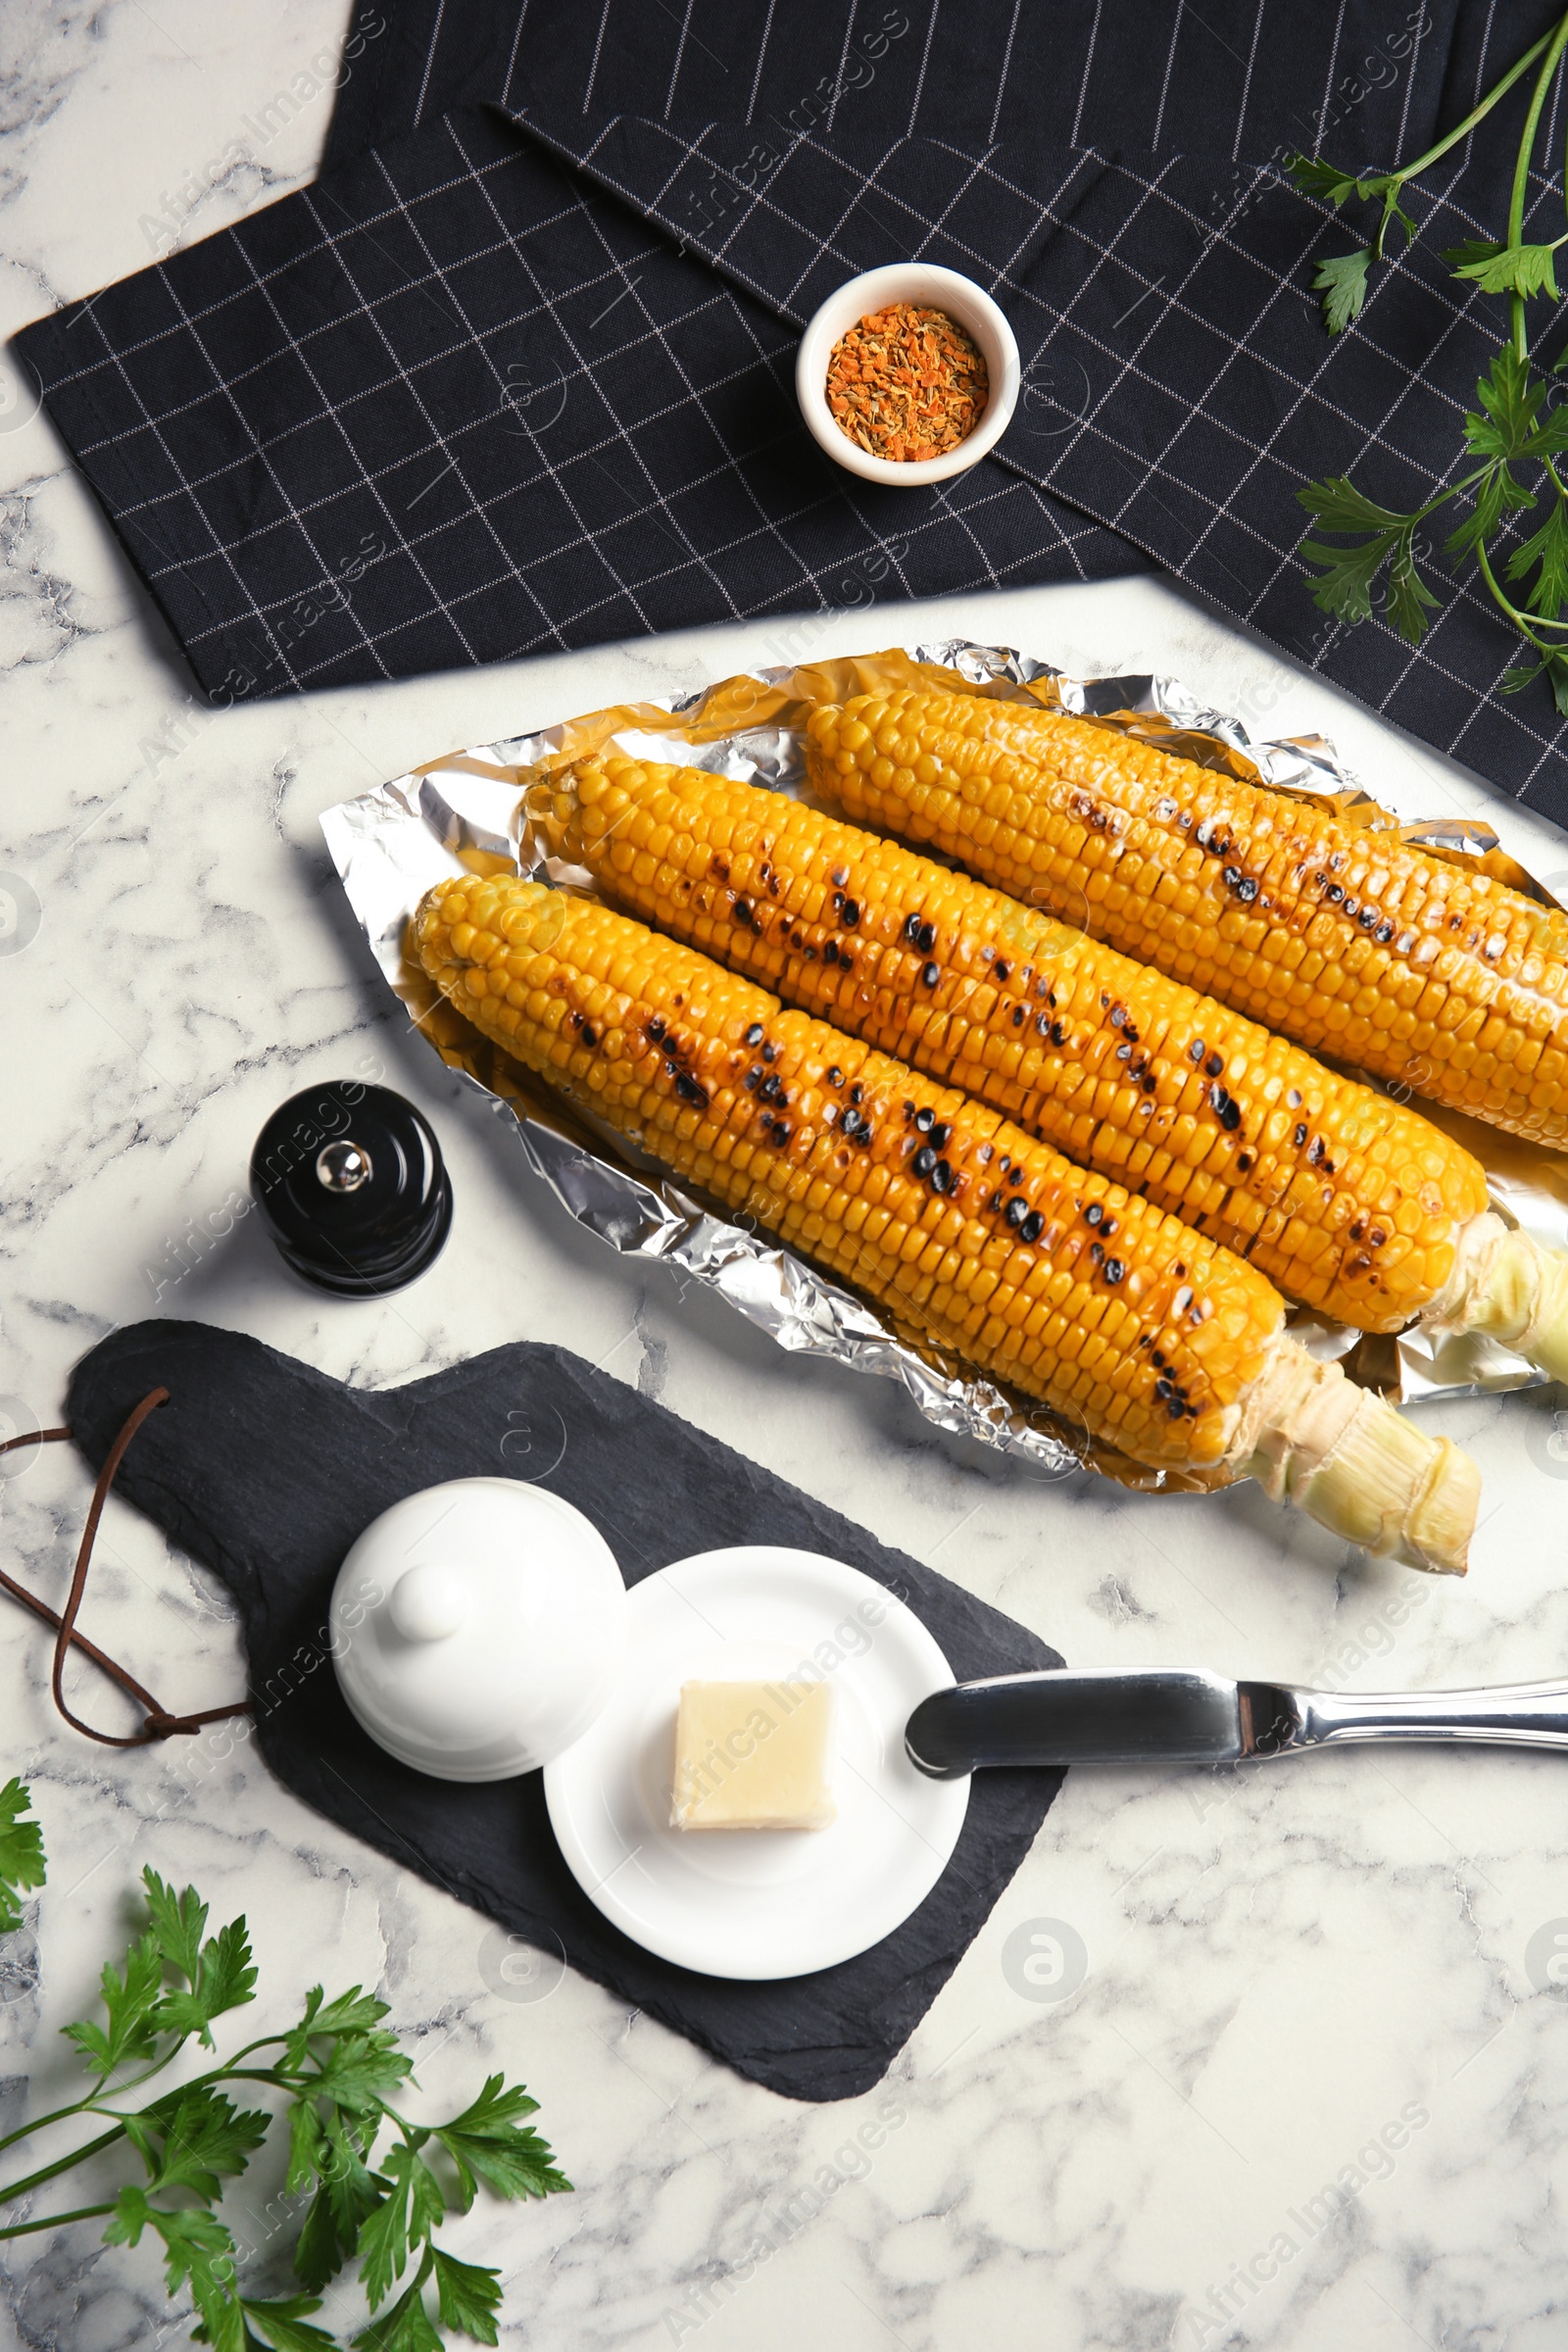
1348, 941
1323, 1184
1015, 1257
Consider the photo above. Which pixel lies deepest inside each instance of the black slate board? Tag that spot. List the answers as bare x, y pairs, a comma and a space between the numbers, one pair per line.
265, 1471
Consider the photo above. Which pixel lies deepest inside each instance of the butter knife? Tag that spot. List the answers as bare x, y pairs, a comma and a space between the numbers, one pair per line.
1178, 1715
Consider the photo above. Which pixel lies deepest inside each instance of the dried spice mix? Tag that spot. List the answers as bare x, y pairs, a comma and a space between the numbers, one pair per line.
906, 382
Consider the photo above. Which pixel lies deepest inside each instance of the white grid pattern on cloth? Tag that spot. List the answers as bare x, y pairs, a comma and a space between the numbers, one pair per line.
1128, 80
1157, 462
134, 346
391, 213
410, 284
370, 476
512, 54
599, 42
1334, 60
1480, 72
479, 344
844, 59
657, 496
1089, 67
762, 59
412, 389
226, 554
982, 528
1195, 498
1322, 385
328, 570
1480, 690
768, 527
998, 278
1001, 79
1170, 66
354, 453
429, 62
1246, 81
925, 60
1409, 85
784, 606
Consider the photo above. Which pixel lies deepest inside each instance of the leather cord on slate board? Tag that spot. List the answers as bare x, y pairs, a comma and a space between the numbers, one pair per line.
158, 1723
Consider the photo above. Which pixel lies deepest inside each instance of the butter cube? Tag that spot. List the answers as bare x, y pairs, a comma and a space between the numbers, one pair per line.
752, 1757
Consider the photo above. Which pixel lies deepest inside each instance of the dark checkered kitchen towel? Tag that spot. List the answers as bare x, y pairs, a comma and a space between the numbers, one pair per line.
515, 371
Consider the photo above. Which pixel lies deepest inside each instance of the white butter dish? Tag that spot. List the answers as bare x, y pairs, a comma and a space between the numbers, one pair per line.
478, 1627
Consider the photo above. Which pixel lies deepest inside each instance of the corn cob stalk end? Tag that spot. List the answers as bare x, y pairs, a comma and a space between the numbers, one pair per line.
1358, 1467
1508, 1287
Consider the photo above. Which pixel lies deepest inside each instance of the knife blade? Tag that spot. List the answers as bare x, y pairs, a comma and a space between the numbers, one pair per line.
1185, 1715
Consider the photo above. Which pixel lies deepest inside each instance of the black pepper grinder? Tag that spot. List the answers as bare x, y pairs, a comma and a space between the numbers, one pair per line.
350, 1182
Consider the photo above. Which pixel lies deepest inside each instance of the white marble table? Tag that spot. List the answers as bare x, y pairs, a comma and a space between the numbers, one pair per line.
1277, 1965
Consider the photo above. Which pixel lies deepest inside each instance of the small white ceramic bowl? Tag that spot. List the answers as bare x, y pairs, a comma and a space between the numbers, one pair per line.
942, 290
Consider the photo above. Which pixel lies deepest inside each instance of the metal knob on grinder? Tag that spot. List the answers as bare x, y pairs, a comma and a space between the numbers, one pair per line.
351, 1184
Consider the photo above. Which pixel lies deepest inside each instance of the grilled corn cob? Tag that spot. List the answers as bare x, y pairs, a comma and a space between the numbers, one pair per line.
1348, 1201
967, 1230
1350, 941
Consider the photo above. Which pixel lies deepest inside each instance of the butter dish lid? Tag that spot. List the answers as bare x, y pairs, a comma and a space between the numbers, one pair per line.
478, 1627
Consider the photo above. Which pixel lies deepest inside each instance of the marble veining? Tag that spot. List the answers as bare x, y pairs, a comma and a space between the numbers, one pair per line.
1266, 2058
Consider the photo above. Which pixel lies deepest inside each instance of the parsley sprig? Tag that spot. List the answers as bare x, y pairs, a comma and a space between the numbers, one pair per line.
1516, 440
338, 2070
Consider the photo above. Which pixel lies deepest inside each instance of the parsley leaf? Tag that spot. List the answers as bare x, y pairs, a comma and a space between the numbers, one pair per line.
224, 1978
285, 2324
1552, 666
468, 2296
1345, 586
486, 2138
1341, 279
360, 2070
22, 1863
1547, 549
190, 2137
1407, 595
1387, 185
411, 2209
1513, 427
1314, 178
307, 2146
353, 2011
177, 1921
217, 1976
1498, 490
196, 2247
319, 2251
406, 2325
348, 2192
1511, 397
1513, 269
129, 2001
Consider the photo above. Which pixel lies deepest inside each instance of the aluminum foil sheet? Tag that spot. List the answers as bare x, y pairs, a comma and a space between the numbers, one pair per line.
470, 811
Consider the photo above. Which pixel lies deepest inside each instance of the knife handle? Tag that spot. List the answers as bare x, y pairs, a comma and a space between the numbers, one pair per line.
1513, 1715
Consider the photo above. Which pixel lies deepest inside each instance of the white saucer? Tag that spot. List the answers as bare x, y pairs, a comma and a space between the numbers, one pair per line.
759, 1903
